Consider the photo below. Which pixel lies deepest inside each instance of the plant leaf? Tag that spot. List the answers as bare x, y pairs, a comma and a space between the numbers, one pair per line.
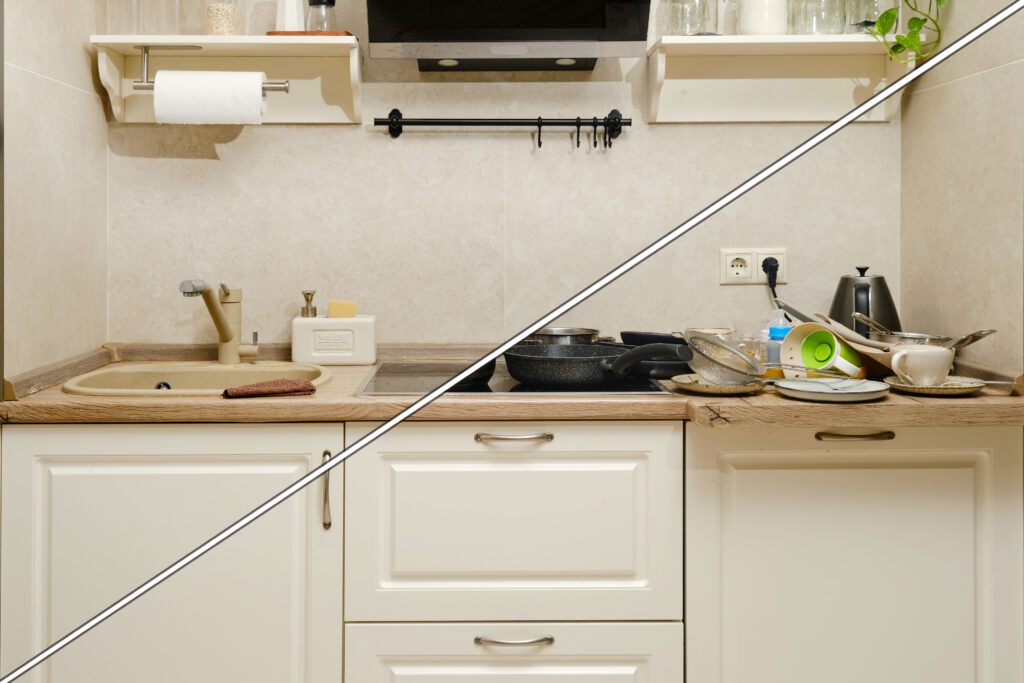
941, 3
897, 49
886, 20
916, 23
914, 41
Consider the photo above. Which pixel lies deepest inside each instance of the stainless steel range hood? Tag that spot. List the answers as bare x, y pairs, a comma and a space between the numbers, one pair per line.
500, 34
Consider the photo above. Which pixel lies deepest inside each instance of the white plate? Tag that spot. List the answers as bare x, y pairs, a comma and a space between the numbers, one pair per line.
832, 390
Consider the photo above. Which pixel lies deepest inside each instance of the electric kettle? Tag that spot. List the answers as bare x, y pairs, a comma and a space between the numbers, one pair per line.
867, 294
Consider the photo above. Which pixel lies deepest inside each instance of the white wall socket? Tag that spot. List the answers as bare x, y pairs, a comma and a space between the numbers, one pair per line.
742, 266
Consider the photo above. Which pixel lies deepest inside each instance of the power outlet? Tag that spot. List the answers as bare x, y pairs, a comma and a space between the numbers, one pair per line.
743, 266
779, 255
737, 266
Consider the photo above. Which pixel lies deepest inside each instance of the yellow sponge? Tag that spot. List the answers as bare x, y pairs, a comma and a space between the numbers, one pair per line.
341, 309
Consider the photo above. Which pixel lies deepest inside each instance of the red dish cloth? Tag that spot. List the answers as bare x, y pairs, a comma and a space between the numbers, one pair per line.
274, 387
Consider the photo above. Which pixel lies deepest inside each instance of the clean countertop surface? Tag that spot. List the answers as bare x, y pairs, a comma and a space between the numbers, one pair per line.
336, 402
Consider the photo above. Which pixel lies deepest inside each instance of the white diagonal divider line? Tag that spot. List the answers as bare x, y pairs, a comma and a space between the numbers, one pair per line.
638, 258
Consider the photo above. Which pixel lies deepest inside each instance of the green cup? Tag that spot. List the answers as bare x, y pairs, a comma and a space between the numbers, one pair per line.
825, 351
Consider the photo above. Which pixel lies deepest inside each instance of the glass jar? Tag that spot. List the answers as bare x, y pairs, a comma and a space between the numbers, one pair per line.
817, 17
728, 17
224, 18
123, 17
763, 17
862, 14
192, 17
692, 17
320, 16
159, 17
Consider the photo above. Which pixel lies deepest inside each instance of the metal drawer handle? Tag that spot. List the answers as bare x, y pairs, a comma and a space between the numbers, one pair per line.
327, 492
832, 436
542, 640
543, 436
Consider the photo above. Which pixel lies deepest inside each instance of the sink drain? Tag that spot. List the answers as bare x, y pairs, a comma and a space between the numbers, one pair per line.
162, 386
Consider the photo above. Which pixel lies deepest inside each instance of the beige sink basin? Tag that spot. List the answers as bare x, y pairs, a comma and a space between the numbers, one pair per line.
187, 378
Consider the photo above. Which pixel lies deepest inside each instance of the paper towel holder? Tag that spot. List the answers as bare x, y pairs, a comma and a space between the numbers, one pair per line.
146, 84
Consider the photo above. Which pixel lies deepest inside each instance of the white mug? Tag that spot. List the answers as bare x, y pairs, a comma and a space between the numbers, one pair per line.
922, 365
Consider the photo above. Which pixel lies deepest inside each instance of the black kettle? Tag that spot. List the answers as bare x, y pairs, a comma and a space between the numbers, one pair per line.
867, 294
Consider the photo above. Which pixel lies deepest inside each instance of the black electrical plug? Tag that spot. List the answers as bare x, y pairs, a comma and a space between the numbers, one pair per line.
770, 266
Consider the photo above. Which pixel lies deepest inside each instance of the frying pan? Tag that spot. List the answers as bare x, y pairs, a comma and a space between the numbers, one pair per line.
582, 365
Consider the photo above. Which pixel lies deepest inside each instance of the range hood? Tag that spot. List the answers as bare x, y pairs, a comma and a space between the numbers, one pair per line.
453, 35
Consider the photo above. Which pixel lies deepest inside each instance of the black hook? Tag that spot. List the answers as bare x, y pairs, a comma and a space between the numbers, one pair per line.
395, 123
577, 131
540, 127
604, 133
595, 132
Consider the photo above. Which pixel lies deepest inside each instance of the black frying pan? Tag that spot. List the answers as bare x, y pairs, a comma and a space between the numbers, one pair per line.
582, 365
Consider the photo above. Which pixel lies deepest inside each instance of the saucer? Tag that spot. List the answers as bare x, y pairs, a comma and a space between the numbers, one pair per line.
699, 385
953, 386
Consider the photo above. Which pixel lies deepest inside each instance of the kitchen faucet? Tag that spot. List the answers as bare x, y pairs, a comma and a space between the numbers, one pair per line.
225, 307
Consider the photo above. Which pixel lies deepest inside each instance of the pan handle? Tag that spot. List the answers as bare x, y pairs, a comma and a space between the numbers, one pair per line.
620, 365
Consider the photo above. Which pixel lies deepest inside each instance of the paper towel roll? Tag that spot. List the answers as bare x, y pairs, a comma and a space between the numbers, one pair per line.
209, 97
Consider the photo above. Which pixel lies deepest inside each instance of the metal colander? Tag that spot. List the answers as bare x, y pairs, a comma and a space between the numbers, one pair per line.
719, 363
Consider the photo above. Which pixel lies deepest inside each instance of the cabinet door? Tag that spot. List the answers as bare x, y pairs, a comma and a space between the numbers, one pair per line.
578, 653
90, 512
885, 561
445, 527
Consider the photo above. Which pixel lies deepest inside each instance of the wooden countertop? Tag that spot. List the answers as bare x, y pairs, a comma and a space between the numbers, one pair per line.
336, 402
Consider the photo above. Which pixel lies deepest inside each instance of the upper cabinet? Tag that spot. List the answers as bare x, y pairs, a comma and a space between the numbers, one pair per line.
709, 79
322, 72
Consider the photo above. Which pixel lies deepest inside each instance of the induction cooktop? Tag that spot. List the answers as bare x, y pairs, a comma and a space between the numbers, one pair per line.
416, 379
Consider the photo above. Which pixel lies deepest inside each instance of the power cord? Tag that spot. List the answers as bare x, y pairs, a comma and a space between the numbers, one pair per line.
770, 266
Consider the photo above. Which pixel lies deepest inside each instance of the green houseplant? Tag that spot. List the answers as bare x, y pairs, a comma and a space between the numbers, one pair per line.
911, 46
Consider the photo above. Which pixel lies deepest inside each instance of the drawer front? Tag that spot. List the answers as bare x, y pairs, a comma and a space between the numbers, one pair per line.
444, 526
577, 653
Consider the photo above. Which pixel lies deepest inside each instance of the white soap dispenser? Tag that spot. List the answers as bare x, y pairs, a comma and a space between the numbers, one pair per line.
332, 341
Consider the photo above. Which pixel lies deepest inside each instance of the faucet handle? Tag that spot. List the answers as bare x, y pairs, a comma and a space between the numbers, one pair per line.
224, 286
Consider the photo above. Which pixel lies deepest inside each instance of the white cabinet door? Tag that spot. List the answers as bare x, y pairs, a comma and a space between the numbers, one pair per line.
578, 653
586, 526
90, 512
884, 561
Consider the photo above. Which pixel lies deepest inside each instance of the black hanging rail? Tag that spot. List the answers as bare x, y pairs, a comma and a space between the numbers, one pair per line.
611, 124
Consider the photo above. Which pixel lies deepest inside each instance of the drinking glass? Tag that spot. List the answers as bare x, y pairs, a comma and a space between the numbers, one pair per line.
123, 17
692, 17
862, 14
817, 17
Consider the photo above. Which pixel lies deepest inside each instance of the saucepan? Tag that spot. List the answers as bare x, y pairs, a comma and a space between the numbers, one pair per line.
581, 366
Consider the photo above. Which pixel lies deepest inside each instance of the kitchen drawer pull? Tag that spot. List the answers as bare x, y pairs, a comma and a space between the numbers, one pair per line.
542, 640
877, 436
543, 436
327, 492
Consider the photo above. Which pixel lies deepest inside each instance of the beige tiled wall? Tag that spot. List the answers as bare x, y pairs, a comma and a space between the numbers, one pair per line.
55, 194
468, 236
962, 240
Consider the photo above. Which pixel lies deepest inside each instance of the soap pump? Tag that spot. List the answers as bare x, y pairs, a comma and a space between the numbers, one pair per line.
332, 341
309, 310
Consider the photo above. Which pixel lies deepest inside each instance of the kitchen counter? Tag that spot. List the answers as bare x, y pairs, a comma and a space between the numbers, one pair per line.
336, 402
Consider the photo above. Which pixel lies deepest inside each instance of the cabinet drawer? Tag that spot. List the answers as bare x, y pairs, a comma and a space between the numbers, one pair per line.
444, 526
579, 653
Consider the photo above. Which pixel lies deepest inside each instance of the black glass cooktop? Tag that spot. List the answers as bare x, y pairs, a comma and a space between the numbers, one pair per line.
415, 379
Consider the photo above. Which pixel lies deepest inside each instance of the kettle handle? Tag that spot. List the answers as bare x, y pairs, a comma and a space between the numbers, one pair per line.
862, 305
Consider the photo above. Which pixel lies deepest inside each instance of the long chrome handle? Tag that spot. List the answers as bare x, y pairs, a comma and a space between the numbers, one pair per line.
542, 640
543, 436
327, 492
877, 436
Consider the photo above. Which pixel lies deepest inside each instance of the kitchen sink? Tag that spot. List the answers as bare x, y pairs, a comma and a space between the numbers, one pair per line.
191, 378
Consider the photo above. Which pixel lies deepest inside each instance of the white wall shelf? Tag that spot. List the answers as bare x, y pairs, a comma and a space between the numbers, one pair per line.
323, 72
715, 79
